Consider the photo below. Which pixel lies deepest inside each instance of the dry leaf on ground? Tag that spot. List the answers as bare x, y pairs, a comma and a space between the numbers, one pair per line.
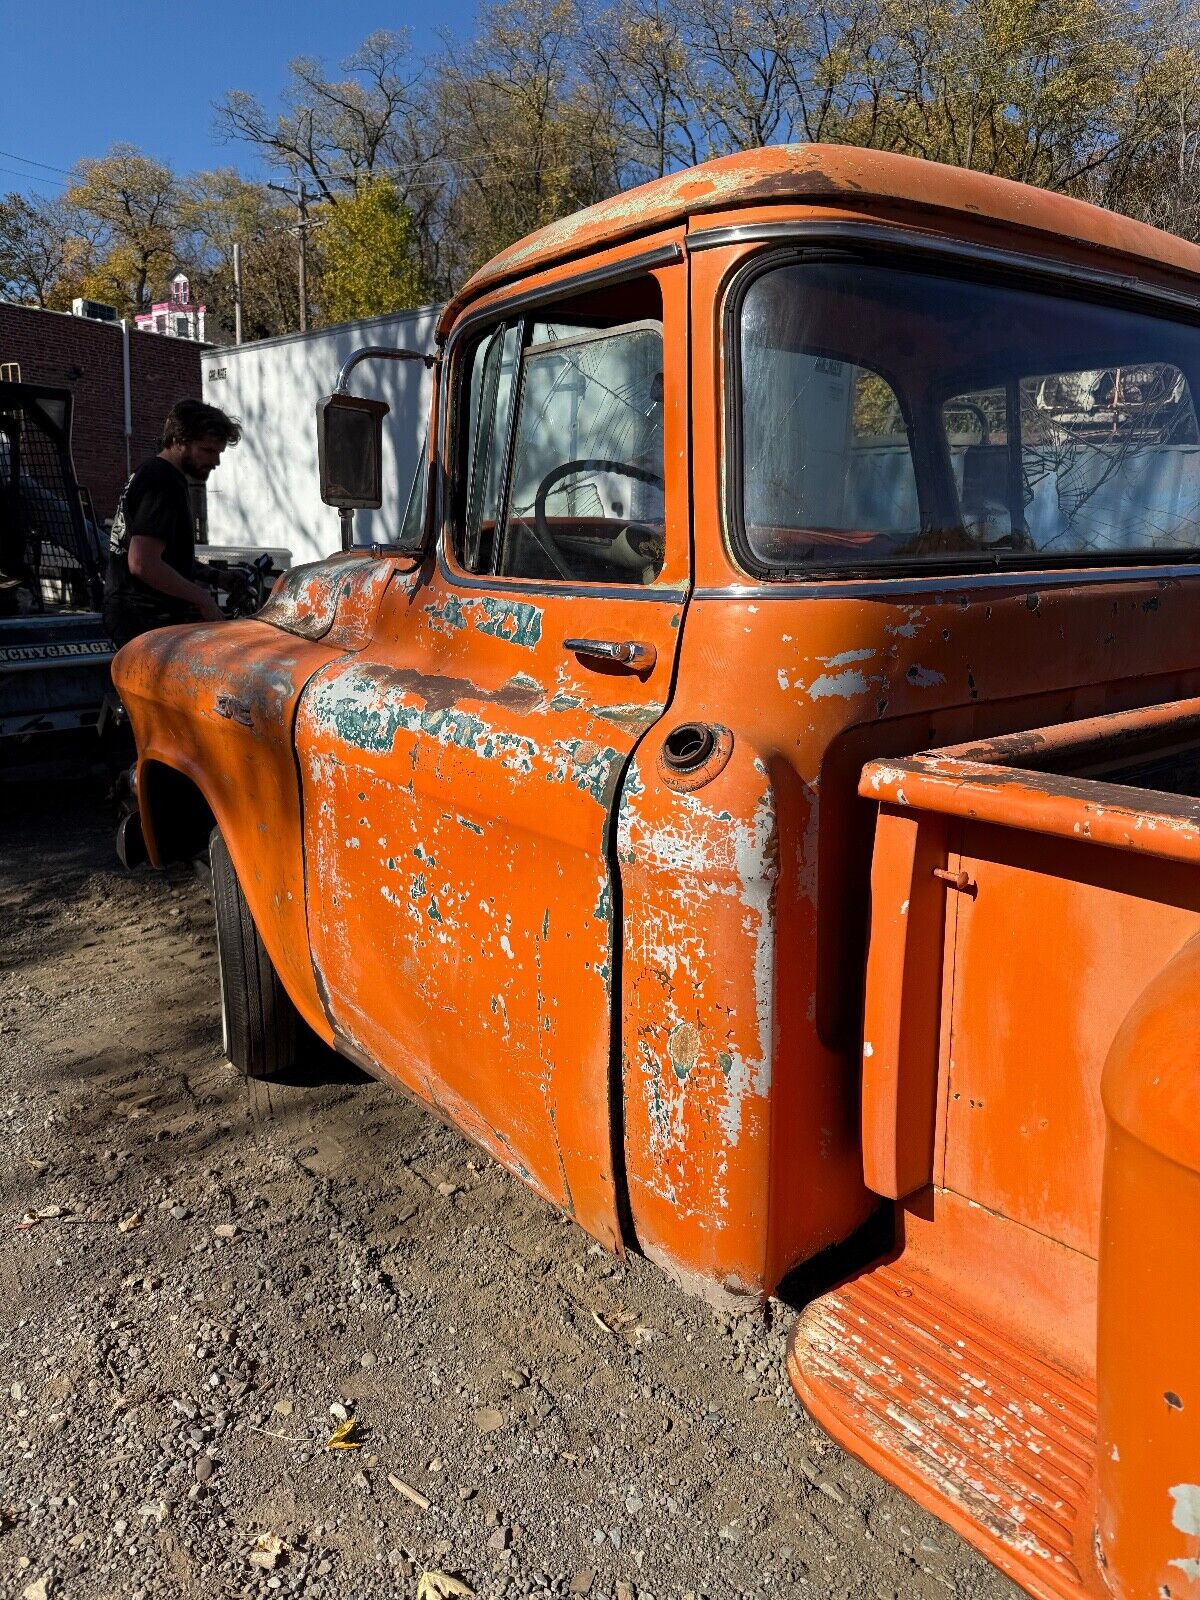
268, 1551
342, 1437
441, 1586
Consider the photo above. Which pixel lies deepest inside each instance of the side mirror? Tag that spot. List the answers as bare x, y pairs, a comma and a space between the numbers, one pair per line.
350, 451
350, 442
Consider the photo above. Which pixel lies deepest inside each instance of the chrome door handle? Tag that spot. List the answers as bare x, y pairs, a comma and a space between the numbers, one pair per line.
629, 653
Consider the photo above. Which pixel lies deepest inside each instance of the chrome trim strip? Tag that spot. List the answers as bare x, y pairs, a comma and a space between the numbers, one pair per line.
1033, 578
939, 247
578, 591
499, 311
563, 288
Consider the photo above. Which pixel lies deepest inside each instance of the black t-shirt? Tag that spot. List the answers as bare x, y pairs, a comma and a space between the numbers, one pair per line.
154, 502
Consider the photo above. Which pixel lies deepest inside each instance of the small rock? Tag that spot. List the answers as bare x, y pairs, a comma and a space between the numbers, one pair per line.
447, 1189
338, 1410
487, 1419
367, 1359
626, 1591
39, 1589
283, 1408
583, 1580
179, 1212
500, 1539
224, 1230
203, 1468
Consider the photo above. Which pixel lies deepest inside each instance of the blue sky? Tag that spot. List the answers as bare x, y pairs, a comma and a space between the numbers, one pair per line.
80, 75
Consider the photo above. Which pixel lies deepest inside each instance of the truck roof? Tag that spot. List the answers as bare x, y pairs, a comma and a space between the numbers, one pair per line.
846, 178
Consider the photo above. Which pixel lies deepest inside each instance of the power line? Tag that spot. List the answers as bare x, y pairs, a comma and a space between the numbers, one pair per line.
30, 180
30, 162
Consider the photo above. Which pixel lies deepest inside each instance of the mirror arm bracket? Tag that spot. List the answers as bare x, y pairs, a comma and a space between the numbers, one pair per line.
380, 352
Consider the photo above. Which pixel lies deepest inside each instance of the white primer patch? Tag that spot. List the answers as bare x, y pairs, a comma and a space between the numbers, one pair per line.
848, 657
845, 685
1185, 1514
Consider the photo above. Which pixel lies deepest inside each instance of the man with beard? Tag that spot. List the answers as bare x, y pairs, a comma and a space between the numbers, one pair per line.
149, 581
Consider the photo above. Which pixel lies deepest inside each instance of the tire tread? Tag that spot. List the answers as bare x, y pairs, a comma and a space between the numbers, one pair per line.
261, 1021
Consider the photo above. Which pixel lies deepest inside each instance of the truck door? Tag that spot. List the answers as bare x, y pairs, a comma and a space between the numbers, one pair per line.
461, 773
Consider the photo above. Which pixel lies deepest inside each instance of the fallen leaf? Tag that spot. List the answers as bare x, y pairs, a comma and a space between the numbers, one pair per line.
600, 1322
407, 1490
129, 1223
268, 1551
342, 1437
441, 1586
37, 1163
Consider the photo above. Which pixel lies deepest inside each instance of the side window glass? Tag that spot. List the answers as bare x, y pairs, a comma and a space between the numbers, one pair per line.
414, 511
1087, 451
585, 502
1106, 451
490, 386
991, 496
828, 469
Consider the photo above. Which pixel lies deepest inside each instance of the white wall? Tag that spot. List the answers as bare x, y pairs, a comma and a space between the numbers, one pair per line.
266, 491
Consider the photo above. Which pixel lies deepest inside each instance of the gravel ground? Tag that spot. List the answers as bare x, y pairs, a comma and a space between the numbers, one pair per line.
200, 1280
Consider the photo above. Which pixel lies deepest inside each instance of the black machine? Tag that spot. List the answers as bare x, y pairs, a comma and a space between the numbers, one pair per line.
54, 651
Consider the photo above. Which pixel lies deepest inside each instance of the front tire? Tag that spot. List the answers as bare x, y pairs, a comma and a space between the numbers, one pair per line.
260, 1026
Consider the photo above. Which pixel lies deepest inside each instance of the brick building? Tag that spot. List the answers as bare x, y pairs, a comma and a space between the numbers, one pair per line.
87, 358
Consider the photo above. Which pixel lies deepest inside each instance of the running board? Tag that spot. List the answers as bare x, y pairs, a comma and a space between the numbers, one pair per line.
971, 1425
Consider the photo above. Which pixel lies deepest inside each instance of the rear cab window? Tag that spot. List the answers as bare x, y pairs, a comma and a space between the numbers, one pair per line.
887, 418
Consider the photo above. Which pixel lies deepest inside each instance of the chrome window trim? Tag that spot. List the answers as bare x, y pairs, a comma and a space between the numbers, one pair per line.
502, 310
1033, 579
790, 239
941, 247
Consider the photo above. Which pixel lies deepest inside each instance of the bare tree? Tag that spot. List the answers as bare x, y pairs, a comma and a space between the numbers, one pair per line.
36, 238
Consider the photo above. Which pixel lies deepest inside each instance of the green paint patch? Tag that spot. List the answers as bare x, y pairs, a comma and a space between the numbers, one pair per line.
366, 712
725, 1062
514, 620
631, 717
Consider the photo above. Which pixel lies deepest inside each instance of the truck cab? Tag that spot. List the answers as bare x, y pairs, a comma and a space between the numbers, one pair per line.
574, 811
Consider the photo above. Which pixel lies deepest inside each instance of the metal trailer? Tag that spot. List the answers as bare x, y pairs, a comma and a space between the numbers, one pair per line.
266, 493
54, 649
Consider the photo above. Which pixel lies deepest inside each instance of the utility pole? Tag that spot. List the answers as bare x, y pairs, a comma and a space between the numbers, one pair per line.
237, 294
299, 198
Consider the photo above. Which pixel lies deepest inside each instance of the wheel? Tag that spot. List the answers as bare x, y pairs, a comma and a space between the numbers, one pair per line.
260, 1026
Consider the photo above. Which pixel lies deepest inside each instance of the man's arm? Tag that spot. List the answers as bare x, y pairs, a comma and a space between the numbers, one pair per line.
147, 565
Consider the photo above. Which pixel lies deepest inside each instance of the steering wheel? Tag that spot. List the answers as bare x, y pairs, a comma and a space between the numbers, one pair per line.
541, 531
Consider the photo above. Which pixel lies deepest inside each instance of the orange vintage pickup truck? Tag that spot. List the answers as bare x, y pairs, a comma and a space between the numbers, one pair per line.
754, 794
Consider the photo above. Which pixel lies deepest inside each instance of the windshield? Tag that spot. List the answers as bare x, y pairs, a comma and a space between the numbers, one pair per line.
895, 418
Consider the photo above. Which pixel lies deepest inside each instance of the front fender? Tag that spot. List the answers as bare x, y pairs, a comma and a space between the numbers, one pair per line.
217, 704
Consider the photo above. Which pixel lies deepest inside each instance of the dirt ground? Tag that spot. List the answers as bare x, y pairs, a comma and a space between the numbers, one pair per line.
200, 1280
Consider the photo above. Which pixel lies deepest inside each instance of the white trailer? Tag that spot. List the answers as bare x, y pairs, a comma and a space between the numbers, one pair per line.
266, 495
